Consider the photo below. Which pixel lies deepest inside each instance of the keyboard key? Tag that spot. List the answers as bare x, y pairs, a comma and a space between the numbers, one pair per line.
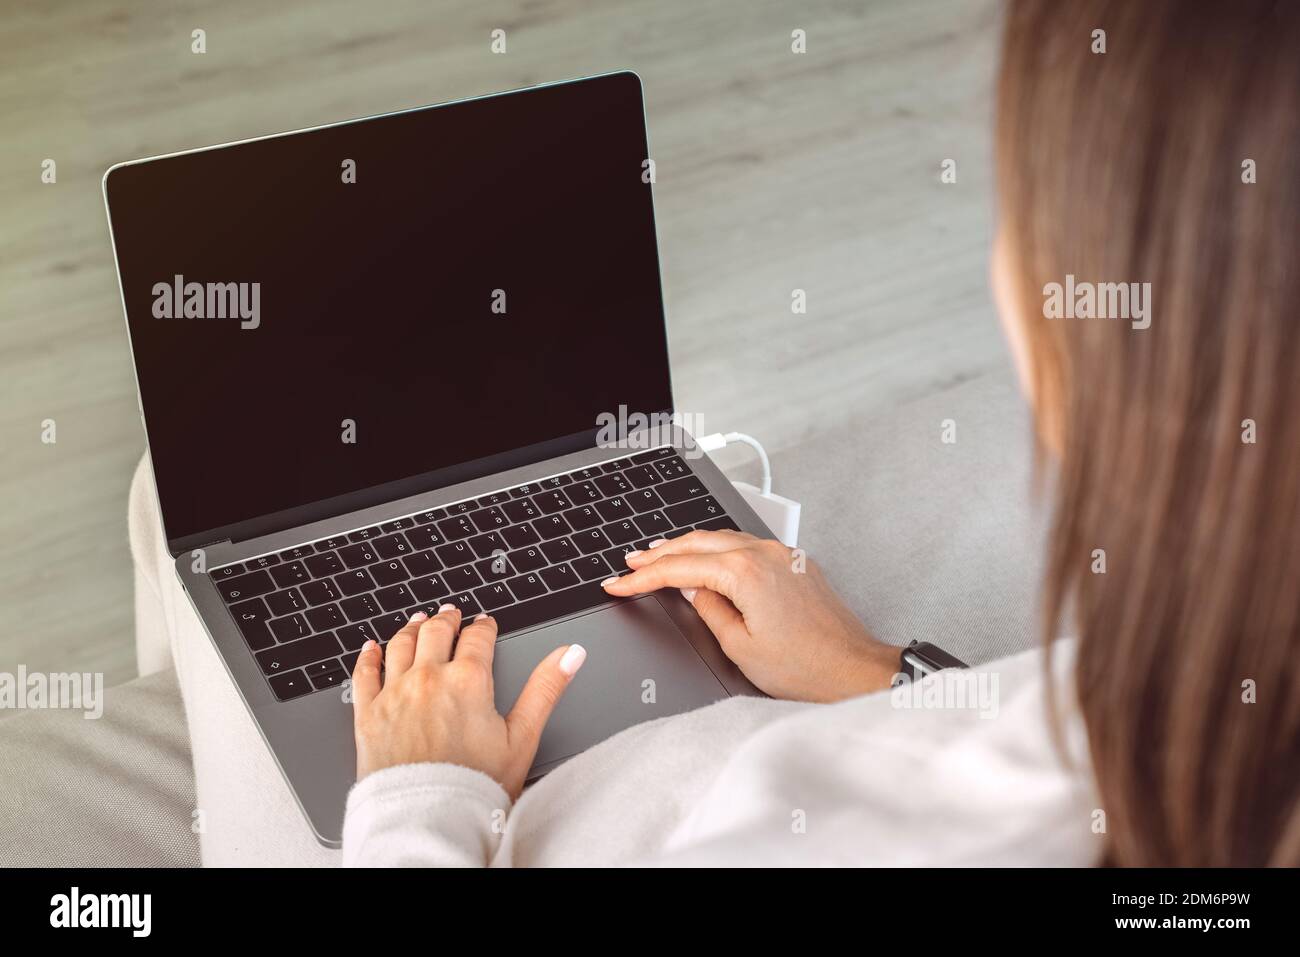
548, 607
361, 607
457, 527
285, 602
228, 571
332, 544
672, 468
587, 473
489, 519
495, 568
455, 553
666, 452
385, 626
526, 586
582, 517
643, 475
591, 566
422, 563
517, 536
611, 467
613, 508
326, 618
390, 573
290, 574
592, 540
496, 498
295, 654
350, 661
354, 636
528, 559
324, 565
290, 685
251, 617
322, 667
355, 582
291, 628
558, 577
696, 510
462, 508
681, 490
425, 536
246, 586
485, 545
552, 526
653, 524
355, 556
560, 550
493, 596
552, 501
262, 561
365, 534
392, 546
616, 557
331, 679
584, 493
429, 588
398, 525
719, 524
555, 481
469, 606
622, 532
523, 491
319, 592
395, 597
462, 578
643, 500
522, 510
297, 553
613, 485
431, 515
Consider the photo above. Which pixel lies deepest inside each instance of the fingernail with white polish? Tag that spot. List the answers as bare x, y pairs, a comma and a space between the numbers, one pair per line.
419, 616
480, 616
608, 581
370, 643
689, 594
631, 554
448, 607
573, 659
657, 542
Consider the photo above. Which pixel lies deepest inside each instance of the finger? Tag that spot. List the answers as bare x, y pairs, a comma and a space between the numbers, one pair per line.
716, 572
365, 676
722, 617
401, 647
437, 635
692, 543
541, 693
478, 640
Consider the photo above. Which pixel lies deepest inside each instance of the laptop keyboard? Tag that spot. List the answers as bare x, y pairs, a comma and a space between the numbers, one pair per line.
526, 555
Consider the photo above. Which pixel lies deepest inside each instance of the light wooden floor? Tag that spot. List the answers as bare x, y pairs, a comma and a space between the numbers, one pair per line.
776, 171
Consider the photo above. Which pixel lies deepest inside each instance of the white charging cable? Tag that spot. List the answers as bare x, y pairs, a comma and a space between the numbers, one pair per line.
711, 443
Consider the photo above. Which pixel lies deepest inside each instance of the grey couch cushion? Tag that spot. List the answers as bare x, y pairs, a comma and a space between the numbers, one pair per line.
115, 791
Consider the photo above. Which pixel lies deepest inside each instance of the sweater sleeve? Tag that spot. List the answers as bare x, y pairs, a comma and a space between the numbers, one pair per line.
424, 815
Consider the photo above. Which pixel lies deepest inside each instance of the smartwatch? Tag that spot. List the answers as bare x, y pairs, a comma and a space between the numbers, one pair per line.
921, 658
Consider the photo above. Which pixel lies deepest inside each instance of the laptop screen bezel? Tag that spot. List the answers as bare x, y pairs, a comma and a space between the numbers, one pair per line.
381, 493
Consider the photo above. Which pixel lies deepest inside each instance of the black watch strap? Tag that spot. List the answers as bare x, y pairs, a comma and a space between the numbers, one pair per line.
922, 658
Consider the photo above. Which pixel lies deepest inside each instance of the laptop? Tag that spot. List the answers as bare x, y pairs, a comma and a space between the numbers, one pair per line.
412, 359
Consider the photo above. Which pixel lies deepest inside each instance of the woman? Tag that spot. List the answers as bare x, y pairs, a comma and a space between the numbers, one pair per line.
1164, 150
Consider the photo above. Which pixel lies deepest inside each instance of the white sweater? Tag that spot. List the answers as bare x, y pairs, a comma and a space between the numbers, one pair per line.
750, 781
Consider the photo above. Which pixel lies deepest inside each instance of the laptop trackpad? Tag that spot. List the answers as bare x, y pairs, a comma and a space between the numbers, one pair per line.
639, 667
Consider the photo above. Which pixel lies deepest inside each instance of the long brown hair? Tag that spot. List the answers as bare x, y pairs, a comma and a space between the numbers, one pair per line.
1173, 157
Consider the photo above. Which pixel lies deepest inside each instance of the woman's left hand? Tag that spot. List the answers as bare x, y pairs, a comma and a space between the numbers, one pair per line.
433, 705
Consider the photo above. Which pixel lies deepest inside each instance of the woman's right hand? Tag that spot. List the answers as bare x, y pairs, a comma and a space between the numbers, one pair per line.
771, 610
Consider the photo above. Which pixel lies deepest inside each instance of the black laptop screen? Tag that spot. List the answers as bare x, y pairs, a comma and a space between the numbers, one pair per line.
323, 313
